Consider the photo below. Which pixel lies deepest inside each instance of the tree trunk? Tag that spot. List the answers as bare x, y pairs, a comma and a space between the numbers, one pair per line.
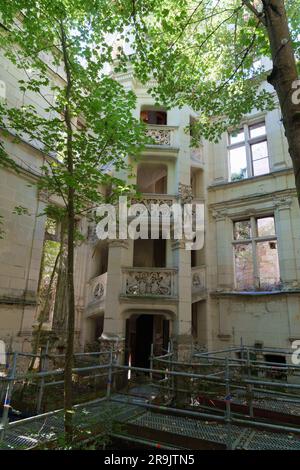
283, 76
68, 396
60, 311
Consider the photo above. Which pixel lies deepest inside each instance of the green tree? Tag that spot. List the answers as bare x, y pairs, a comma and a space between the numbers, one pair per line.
85, 129
204, 53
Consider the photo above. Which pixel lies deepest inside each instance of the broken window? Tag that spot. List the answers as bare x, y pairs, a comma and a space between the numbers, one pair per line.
248, 152
256, 254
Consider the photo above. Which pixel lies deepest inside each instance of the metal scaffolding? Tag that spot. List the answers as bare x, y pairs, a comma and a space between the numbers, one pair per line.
231, 398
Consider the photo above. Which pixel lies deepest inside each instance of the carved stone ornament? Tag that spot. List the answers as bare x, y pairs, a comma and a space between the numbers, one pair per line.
98, 291
185, 193
283, 202
219, 214
149, 283
160, 136
197, 281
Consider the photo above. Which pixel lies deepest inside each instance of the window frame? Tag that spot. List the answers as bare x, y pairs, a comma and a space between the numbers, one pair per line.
248, 142
253, 241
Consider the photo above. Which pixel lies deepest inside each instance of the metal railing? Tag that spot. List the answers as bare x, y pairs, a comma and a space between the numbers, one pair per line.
217, 376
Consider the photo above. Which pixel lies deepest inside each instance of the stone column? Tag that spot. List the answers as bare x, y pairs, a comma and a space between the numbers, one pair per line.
220, 168
182, 324
225, 276
119, 256
286, 248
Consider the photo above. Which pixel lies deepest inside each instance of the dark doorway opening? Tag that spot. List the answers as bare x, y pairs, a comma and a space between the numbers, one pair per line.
149, 253
144, 339
142, 331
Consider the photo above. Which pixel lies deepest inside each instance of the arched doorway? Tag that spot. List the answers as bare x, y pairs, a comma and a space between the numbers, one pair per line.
142, 330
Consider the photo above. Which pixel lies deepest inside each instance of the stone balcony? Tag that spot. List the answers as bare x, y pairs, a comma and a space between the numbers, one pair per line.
165, 141
160, 283
162, 135
167, 138
96, 294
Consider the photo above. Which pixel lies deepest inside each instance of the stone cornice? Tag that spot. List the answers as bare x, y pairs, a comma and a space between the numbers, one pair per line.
145, 299
250, 180
273, 200
255, 294
17, 301
118, 243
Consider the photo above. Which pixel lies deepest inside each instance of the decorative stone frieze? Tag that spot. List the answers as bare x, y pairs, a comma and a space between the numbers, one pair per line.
154, 282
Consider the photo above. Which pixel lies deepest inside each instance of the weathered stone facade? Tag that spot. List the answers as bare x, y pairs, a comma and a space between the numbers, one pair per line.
191, 296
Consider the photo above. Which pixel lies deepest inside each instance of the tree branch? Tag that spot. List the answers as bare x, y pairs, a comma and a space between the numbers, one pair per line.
252, 8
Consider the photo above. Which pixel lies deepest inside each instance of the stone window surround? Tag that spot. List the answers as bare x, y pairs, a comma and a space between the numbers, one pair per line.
253, 240
259, 206
248, 142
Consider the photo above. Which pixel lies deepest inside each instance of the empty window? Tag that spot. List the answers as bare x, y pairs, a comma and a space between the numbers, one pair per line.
248, 152
276, 361
152, 178
149, 253
256, 254
154, 117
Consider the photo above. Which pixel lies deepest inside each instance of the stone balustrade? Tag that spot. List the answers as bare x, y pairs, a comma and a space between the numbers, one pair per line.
149, 199
161, 135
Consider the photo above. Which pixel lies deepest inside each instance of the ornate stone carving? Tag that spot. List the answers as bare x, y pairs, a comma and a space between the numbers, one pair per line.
283, 202
219, 214
185, 193
156, 283
161, 200
160, 136
98, 290
148, 201
198, 279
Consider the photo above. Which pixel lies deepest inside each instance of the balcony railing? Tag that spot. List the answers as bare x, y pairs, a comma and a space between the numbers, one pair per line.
97, 289
148, 198
154, 282
198, 279
164, 136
